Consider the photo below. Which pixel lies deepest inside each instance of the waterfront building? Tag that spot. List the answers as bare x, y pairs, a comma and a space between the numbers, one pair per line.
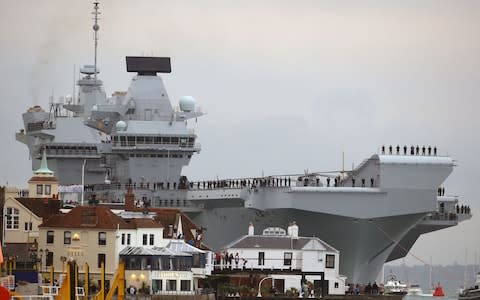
174, 269
289, 260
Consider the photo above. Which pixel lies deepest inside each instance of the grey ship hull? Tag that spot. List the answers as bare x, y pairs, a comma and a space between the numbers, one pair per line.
364, 244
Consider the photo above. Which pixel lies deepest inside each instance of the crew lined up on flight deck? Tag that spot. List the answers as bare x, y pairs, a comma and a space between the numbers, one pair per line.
413, 150
464, 209
238, 183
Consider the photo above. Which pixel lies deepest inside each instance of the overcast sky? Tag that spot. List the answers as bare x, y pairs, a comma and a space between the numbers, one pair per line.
287, 85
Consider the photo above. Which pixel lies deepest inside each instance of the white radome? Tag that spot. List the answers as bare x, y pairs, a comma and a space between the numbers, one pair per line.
187, 104
121, 125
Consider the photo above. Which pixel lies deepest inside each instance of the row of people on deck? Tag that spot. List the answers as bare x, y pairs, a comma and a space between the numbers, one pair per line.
413, 150
225, 259
240, 183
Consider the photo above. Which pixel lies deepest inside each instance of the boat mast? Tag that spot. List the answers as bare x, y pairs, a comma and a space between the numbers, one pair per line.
96, 27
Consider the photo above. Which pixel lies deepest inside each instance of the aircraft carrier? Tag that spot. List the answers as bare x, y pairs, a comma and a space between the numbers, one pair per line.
138, 139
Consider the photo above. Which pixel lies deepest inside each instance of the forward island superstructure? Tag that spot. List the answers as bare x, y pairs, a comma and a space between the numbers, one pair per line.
137, 139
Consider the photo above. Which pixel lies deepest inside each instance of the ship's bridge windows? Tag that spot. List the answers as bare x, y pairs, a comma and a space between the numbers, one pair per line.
148, 140
157, 140
166, 140
131, 140
174, 140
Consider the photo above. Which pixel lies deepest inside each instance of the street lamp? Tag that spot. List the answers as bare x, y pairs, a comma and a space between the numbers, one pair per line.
46, 257
63, 259
83, 181
259, 295
41, 259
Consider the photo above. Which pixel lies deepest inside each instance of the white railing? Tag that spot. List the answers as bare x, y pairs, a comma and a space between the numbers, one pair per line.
50, 290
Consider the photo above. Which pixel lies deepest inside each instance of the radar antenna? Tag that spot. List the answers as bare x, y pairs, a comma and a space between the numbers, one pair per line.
96, 27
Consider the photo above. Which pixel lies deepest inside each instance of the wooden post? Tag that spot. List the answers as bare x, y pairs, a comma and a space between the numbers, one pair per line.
87, 279
121, 281
102, 281
52, 274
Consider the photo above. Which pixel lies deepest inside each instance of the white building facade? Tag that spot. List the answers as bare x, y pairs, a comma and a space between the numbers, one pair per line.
292, 261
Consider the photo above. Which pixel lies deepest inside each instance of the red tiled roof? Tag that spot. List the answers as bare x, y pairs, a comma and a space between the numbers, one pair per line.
40, 178
87, 217
144, 223
41, 207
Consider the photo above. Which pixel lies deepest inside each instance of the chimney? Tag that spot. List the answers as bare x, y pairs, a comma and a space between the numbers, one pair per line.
294, 230
251, 229
129, 200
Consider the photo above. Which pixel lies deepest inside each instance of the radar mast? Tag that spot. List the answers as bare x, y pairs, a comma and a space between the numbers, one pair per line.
96, 27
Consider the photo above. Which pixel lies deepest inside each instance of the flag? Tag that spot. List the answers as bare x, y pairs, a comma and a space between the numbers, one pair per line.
1, 254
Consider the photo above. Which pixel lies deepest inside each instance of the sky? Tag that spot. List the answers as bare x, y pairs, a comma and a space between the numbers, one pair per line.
287, 85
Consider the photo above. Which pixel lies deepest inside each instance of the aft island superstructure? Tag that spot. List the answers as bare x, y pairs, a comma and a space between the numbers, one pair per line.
137, 139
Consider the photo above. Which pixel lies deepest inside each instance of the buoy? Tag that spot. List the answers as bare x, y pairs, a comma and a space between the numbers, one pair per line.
438, 291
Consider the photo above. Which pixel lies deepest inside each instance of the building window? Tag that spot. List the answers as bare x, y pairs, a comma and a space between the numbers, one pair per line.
39, 189
50, 237
171, 285
330, 261
287, 258
151, 240
145, 236
12, 218
28, 226
48, 189
101, 259
336, 285
185, 285
67, 237
261, 258
123, 238
128, 239
102, 238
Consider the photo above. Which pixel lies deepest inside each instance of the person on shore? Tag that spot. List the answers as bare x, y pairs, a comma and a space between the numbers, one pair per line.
368, 289
375, 288
237, 260
356, 290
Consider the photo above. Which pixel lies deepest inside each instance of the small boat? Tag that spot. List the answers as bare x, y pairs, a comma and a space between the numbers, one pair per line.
415, 289
438, 292
472, 293
394, 286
